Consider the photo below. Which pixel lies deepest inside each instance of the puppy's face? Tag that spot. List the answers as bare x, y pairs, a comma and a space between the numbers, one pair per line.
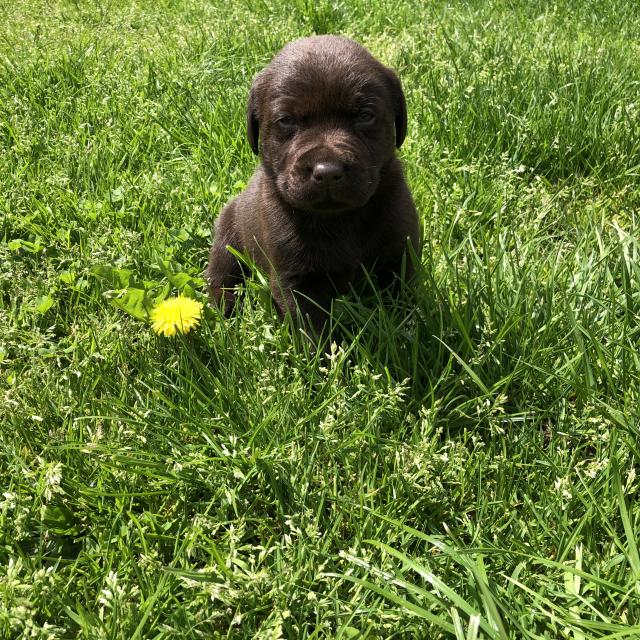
329, 117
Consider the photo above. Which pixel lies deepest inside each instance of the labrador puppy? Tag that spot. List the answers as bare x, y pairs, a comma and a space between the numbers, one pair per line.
329, 199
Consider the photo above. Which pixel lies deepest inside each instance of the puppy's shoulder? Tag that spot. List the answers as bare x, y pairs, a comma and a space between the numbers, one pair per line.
394, 210
394, 196
242, 209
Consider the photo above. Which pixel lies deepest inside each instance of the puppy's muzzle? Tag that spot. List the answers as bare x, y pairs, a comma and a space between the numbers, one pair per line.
328, 178
326, 181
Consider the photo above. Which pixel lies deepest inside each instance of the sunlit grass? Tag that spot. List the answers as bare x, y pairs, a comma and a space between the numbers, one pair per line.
462, 463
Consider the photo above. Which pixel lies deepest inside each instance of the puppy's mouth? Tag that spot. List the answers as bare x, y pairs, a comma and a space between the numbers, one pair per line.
326, 204
327, 199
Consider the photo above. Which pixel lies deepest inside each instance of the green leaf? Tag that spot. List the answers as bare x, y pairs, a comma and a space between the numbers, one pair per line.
114, 278
189, 291
134, 302
178, 279
59, 520
180, 235
117, 195
43, 304
31, 247
67, 277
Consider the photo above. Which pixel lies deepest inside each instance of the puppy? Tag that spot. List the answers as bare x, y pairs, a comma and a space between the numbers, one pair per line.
329, 197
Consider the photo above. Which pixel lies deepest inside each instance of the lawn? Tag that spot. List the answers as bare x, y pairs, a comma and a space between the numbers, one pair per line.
463, 466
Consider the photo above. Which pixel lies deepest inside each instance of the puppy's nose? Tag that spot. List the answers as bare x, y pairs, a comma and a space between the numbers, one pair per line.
327, 172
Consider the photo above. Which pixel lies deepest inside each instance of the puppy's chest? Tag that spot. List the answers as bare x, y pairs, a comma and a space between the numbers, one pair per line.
323, 249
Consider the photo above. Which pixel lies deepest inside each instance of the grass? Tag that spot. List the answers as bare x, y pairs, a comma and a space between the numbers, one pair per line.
464, 468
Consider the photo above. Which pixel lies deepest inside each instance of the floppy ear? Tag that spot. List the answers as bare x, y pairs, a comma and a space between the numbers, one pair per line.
253, 127
399, 106
253, 123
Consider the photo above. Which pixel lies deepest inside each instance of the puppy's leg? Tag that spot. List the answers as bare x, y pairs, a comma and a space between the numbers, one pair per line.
224, 271
402, 256
309, 295
223, 274
391, 275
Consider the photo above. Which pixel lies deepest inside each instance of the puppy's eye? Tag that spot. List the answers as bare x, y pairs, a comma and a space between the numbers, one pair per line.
366, 117
288, 122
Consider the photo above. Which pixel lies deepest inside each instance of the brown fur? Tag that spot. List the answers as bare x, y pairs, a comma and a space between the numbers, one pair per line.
329, 196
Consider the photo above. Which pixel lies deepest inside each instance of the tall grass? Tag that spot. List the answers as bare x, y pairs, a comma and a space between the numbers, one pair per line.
461, 464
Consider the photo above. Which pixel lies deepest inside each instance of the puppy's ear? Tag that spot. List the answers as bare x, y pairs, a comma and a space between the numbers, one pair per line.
399, 106
253, 109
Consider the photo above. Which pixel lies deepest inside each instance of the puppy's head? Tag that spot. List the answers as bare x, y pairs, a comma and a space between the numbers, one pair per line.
327, 117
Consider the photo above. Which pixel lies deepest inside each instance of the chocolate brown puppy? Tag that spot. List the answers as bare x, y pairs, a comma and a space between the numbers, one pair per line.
329, 198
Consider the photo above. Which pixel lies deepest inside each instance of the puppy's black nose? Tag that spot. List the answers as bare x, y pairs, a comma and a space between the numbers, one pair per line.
327, 172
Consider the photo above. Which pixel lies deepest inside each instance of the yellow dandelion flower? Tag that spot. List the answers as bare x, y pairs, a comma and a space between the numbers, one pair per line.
176, 315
